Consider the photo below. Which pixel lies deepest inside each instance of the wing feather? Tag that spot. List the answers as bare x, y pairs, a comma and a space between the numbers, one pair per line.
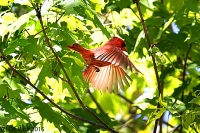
108, 78
120, 80
114, 55
115, 82
104, 79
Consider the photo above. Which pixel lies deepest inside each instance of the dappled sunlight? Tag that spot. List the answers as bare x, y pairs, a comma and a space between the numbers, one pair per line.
99, 66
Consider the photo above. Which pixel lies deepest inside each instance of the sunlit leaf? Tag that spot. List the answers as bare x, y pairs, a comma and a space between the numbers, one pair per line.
172, 26
195, 100
162, 103
13, 110
156, 114
5, 2
45, 71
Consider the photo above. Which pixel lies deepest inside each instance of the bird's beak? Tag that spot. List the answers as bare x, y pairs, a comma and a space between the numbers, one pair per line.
70, 46
75, 47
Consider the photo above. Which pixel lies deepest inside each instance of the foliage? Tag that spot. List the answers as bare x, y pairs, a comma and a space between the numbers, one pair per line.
173, 29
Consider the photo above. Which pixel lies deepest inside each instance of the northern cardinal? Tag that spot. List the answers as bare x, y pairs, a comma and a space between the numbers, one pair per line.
104, 65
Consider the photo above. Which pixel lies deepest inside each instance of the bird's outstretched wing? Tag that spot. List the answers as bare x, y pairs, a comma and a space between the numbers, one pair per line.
106, 78
114, 55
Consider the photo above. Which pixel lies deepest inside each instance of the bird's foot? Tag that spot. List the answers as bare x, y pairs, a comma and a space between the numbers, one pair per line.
96, 69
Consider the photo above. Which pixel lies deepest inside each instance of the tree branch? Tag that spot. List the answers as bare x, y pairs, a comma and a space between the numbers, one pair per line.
126, 99
183, 80
184, 69
46, 97
95, 101
92, 97
153, 58
65, 73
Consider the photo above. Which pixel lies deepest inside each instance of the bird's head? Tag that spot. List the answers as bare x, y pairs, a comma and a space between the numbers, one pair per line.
75, 47
118, 42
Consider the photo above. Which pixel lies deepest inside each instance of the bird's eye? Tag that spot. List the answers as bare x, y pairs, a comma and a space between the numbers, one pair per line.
123, 44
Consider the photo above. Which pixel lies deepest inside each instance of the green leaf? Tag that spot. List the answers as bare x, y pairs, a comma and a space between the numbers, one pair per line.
20, 22
14, 83
196, 100
33, 48
140, 37
13, 87
98, 23
192, 5
13, 111
67, 37
3, 118
80, 8
5, 2
45, 71
76, 60
179, 40
69, 6
160, 58
3, 90
123, 4
19, 42
156, 114
167, 46
166, 25
53, 116
180, 89
103, 116
163, 104
188, 119
165, 72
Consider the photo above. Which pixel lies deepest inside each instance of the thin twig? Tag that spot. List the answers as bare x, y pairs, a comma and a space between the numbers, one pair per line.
41, 31
161, 122
153, 58
95, 101
106, 17
46, 97
126, 122
176, 129
126, 99
27, 32
168, 124
66, 75
48, 27
93, 98
183, 80
149, 43
184, 70
162, 88
129, 101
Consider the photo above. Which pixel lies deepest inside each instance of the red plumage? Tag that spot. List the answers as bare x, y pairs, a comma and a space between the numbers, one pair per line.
105, 65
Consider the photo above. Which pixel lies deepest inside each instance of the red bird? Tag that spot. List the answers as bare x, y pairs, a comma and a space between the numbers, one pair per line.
104, 65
